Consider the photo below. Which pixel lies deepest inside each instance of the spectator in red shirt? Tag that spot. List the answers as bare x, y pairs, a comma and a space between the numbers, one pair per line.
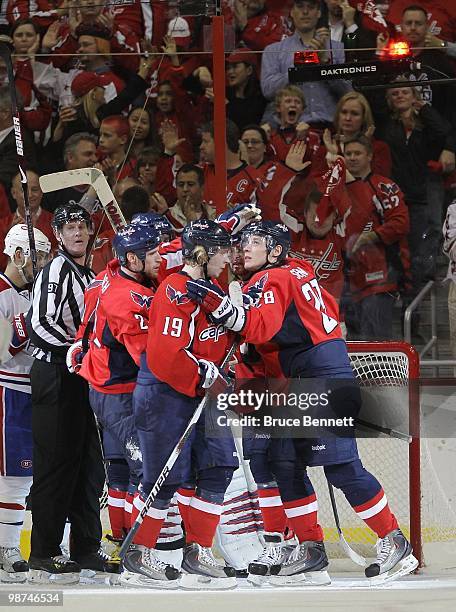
379, 259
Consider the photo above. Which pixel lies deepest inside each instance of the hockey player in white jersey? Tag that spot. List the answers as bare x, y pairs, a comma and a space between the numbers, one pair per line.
15, 398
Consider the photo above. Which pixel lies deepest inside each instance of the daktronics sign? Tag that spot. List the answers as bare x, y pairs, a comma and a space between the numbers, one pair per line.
356, 71
350, 70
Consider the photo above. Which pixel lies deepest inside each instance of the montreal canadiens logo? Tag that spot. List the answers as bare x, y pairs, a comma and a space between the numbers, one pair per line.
176, 296
141, 300
212, 333
26, 463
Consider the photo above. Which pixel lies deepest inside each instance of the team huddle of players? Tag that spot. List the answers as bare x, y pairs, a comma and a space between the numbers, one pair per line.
156, 330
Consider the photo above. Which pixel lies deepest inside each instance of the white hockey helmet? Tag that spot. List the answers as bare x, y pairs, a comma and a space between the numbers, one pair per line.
17, 237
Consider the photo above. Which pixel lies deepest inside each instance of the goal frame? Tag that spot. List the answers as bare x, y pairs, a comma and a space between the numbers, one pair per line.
414, 452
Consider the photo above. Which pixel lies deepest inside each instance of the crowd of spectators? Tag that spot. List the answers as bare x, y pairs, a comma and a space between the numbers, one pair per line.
363, 181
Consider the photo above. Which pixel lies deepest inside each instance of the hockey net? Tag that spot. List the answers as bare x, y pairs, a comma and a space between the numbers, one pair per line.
404, 469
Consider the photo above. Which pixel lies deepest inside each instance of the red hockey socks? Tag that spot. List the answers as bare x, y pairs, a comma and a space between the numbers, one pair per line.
116, 506
377, 515
184, 497
202, 520
272, 510
302, 516
147, 533
128, 510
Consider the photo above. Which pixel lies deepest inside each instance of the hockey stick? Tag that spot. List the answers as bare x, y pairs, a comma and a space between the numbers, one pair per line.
87, 176
170, 462
352, 554
5, 54
392, 433
97, 180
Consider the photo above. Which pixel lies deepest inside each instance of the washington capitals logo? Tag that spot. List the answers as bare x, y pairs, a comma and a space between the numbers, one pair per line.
261, 282
254, 292
389, 189
176, 296
141, 300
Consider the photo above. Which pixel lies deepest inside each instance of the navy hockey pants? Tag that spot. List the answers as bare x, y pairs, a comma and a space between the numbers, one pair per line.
120, 438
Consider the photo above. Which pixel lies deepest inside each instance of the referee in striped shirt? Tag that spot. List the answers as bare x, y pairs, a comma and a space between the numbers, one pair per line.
68, 474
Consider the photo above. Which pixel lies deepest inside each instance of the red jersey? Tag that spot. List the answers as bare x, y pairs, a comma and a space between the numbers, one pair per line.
43, 12
292, 316
282, 139
91, 295
242, 184
183, 334
171, 254
120, 332
376, 268
268, 27
102, 251
325, 255
276, 180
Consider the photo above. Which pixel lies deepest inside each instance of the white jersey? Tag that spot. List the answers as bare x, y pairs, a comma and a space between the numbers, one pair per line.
15, 372
449, 240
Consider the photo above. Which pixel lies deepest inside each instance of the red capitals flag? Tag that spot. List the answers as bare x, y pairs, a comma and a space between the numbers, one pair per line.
332, 185
372, 18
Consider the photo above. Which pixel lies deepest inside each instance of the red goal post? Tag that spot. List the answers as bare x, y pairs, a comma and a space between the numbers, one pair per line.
397, 363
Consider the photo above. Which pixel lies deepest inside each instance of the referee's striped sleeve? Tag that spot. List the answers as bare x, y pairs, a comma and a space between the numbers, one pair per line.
52, 323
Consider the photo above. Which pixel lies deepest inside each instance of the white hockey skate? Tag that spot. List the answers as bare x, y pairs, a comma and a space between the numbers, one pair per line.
274, 553
305, 565
203, 571
13, 568
394, 559
53, 570
142, 567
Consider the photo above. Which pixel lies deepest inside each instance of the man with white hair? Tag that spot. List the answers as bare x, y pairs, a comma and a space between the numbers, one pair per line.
15, 398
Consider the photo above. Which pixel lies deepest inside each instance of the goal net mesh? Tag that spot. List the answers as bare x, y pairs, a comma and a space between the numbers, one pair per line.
388, 459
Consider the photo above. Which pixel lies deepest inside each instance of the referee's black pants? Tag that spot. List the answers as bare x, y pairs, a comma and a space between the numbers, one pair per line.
68, 473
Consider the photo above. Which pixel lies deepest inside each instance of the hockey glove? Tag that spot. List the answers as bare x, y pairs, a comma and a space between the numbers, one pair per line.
74, 357
251, 298
13, 337
20, 335
235, 219
214, 301
212, 378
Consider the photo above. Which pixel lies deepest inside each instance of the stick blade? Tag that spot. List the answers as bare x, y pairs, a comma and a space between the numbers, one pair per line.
235, 291
68, 178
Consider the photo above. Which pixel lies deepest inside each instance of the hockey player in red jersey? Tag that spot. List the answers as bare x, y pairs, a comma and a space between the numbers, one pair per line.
293, 324
181, 362
111, 363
